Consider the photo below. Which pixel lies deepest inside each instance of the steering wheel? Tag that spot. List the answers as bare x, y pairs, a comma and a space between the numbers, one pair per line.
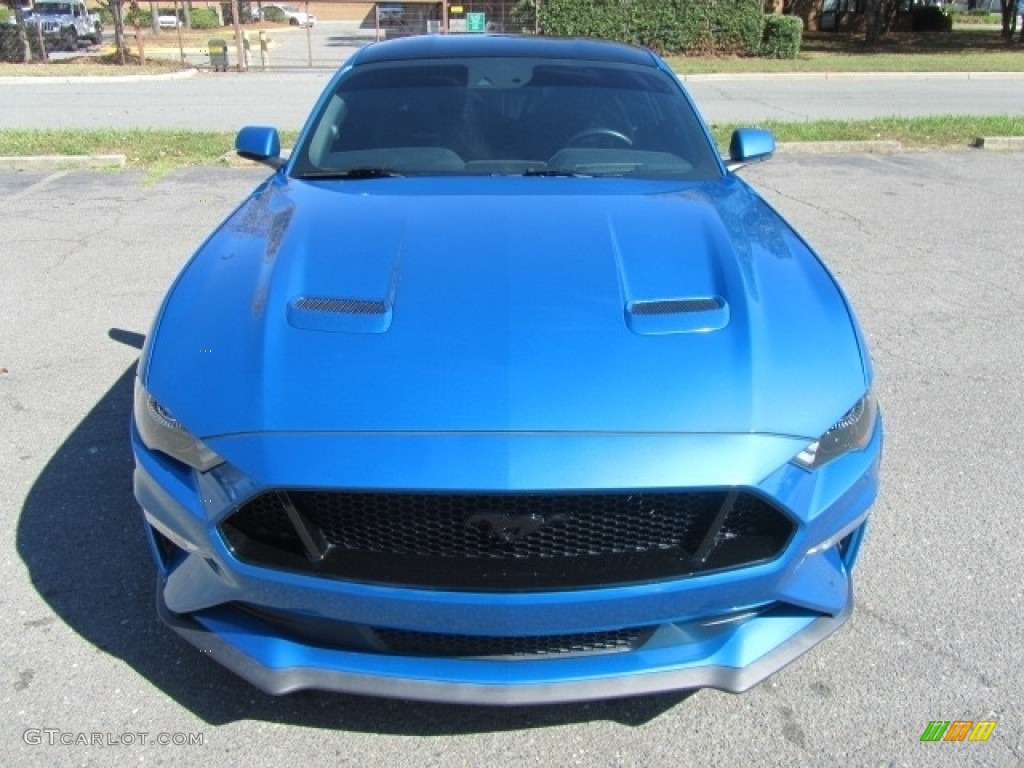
590, 133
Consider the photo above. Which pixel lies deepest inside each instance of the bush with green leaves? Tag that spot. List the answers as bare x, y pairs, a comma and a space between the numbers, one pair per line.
204, 18
140, 18
930, 18
273, 13
782, 37
10, 48
667, 26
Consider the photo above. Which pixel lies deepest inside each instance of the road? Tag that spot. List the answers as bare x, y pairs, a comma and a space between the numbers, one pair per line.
283, 96
85, 258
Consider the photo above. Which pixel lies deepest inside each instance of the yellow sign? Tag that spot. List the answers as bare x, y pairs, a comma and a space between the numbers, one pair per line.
455, 9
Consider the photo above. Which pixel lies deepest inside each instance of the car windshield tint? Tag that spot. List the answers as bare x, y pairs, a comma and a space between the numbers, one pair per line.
511, 116
53, 9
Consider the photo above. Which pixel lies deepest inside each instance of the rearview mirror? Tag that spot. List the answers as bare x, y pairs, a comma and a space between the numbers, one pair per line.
749, 145
260, 143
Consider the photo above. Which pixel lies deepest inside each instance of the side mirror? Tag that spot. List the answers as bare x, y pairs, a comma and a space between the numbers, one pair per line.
749, 145
260, 143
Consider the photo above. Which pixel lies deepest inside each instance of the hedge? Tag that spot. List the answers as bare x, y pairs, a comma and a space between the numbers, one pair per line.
10, 49
782, 37
929, 18
273, 13
204, 18
667, 26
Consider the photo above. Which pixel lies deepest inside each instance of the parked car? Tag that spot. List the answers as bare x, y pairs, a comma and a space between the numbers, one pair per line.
504, 388
294, 16
65, 23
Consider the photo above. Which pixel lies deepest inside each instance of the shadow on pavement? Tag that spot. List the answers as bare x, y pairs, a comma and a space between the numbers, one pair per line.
80, 536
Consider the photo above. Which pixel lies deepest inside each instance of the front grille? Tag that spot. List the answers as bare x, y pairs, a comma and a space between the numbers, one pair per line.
340, 635
506, 542
468, 646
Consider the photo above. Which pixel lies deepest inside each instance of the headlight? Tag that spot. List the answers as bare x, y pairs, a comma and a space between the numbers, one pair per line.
160, 431
850, 433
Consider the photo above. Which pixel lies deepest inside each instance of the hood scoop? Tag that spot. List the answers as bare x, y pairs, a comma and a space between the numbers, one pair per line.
339, 314
685, 315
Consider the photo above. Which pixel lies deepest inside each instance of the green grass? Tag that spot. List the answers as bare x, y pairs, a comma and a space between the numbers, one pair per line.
157, 151
939, 132
161, 151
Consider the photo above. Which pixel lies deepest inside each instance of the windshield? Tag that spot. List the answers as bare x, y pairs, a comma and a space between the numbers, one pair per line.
53, 9
517, 116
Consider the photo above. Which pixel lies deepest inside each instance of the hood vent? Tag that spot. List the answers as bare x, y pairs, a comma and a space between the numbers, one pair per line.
343, 306
675, 306
339, 315
690, 315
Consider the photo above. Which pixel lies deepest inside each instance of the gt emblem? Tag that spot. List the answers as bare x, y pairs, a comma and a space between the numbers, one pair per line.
512, 527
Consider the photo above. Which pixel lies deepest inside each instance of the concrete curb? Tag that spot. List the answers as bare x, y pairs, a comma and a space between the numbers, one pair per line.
183, 74
1012, 143
761, 76
695, 78
62, 162
232, 160
871, 147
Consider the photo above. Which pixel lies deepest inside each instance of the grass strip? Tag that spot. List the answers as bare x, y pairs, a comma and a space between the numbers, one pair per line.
938, 132
163, 150
157, 151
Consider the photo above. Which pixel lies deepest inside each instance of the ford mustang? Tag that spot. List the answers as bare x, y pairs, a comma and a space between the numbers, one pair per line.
504, 388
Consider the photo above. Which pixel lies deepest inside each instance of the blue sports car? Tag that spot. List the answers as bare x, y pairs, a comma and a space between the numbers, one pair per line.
504, 389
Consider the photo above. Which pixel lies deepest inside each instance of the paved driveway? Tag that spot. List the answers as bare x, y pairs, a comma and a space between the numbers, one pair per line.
928, 247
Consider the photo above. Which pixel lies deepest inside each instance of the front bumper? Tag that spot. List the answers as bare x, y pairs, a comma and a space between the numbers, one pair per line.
727, 630
278, 666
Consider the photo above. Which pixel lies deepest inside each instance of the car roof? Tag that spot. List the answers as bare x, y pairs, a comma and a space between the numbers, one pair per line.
448, 46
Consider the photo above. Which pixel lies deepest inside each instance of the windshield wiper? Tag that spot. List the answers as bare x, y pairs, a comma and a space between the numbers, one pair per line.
353, 173
556, 172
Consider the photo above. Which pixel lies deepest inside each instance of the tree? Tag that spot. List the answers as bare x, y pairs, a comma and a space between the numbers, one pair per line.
19, 20
881, 15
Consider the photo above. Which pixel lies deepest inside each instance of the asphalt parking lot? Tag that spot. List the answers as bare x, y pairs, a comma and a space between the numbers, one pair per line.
928, 246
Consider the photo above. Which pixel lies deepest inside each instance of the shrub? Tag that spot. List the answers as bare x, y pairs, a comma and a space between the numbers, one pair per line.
204, 18
10, 49
274, 14
667, 26
929, 18
141, 18
782, 37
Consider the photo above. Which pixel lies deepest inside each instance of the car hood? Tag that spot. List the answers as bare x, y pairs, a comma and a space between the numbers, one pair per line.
505, 304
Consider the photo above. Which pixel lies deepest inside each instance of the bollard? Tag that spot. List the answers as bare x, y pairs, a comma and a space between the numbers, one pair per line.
264, 49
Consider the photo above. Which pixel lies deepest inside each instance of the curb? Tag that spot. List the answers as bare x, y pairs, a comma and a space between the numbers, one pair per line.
784, 76
870, 147
1014, 143
183, 74
62, 162
231, 160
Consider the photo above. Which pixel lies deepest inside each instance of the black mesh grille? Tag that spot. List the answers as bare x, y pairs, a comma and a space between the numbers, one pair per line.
506, 541
344, 306
675, 306
435, 644
328, 633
